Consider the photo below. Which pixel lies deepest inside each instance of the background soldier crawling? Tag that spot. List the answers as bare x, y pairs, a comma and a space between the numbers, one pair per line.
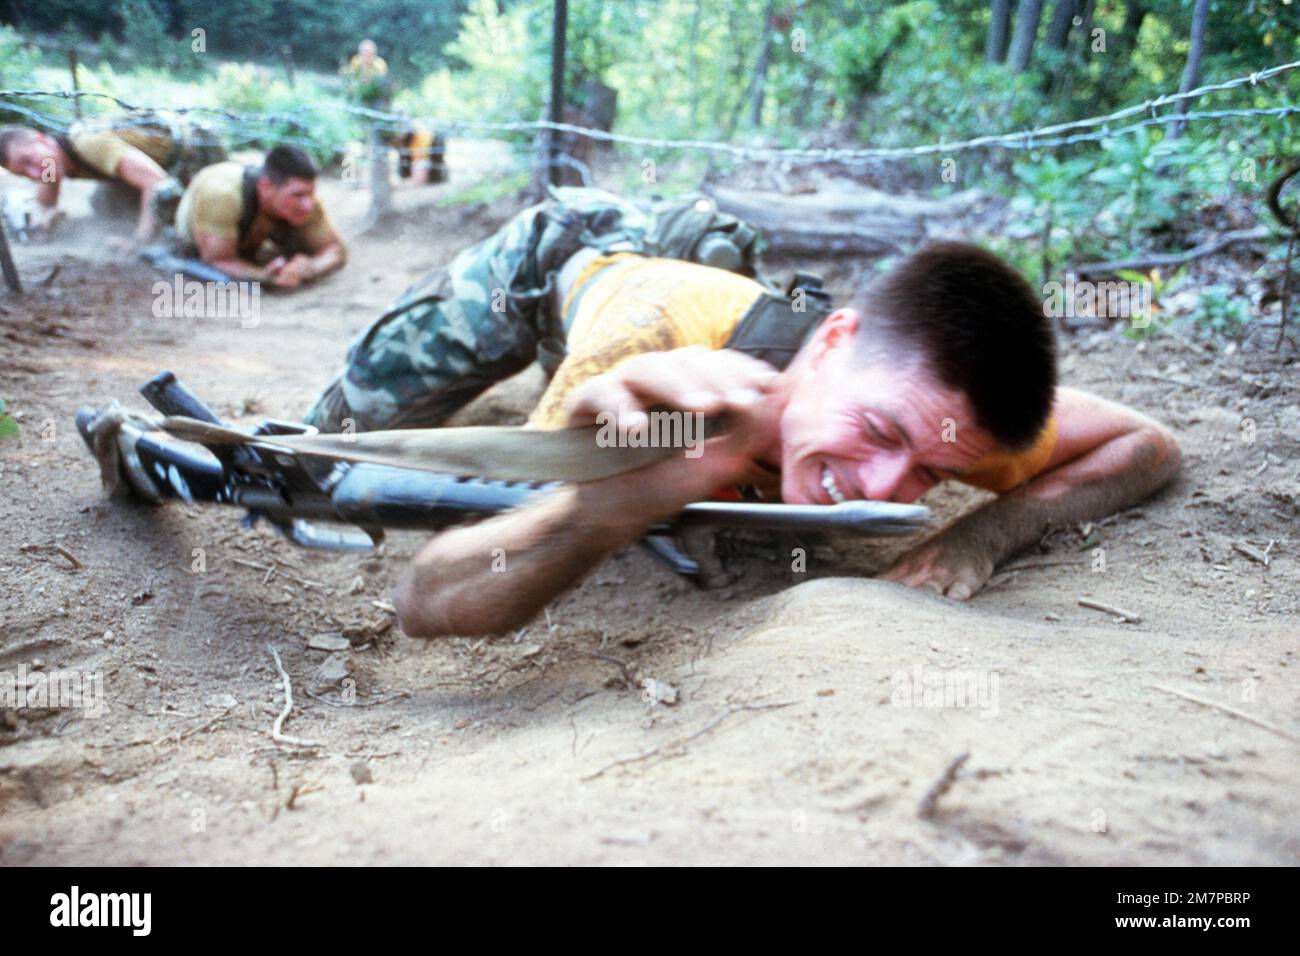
144, 156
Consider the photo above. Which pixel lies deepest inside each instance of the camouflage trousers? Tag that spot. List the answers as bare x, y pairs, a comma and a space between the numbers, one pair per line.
446, 340
488, 314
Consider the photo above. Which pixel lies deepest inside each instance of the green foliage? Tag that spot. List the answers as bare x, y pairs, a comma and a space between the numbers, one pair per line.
1137, 180
145, 35
1050, 203
250, 89
18, 63
494, 47
1160, 289
8, 427
410, 33
1221, 311
488, 190
883, 73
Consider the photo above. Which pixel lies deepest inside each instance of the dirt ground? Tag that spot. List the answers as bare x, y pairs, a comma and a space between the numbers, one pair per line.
811, 723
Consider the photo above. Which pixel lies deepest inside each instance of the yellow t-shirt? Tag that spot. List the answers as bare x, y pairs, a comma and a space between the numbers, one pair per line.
357, 67
419, 143
642, 305
214, 205
99, 151
654, 305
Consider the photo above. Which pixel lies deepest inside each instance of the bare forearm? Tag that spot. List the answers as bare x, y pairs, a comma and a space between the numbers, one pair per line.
327, 260
499, 574
147, 224
239, 269
1109, 478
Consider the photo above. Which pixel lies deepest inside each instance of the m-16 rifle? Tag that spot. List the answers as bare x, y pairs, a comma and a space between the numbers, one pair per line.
323, 501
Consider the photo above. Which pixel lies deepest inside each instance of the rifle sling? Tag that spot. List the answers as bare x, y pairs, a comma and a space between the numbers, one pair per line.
505, 454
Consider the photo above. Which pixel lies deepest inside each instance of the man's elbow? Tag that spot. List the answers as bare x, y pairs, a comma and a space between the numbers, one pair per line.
335, 257
1161, 457
418, 610
433, 611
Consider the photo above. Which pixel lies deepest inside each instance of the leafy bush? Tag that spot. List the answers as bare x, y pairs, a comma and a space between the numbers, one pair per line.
18, 63
273, 112
1221, 311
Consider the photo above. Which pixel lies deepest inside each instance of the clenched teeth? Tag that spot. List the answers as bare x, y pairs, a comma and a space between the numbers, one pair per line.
828, 482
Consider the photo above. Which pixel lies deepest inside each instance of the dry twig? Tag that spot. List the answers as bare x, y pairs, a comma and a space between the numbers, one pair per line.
662, 749
276, 733
1126, 617
1251, 552
926, 808
1241, 714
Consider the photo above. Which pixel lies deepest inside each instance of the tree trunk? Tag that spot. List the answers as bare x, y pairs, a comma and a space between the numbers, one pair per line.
857, 221
1058, 38
995, 46
1058, 29
1089, 7
693, 64
759, 87
1028, 15
1192, 71
1135, 15
737, 106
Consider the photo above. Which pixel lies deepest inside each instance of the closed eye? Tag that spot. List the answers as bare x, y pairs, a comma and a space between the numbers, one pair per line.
930, 476
876, 434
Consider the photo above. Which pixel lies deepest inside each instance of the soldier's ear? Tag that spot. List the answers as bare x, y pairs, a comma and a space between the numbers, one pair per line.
836, 331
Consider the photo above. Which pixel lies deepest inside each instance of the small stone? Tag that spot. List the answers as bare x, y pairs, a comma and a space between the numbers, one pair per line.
332, 670
658, 692
361, 773
329, 642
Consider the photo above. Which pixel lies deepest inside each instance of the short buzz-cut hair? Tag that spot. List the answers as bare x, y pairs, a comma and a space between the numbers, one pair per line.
10, 136
288, 162
978, 327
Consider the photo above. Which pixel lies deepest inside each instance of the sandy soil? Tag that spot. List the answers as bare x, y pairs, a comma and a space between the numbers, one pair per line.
811, 723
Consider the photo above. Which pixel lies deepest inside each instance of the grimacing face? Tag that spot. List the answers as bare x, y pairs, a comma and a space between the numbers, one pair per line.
34, 157
291, 202
877, 426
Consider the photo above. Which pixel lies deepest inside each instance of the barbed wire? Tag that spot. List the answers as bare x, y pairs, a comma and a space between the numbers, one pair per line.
1050, 136
1024, 139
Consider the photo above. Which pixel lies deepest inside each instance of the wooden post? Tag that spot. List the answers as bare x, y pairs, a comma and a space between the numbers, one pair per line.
7, 261
558, 36
72, 68
286, 54
381, 189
